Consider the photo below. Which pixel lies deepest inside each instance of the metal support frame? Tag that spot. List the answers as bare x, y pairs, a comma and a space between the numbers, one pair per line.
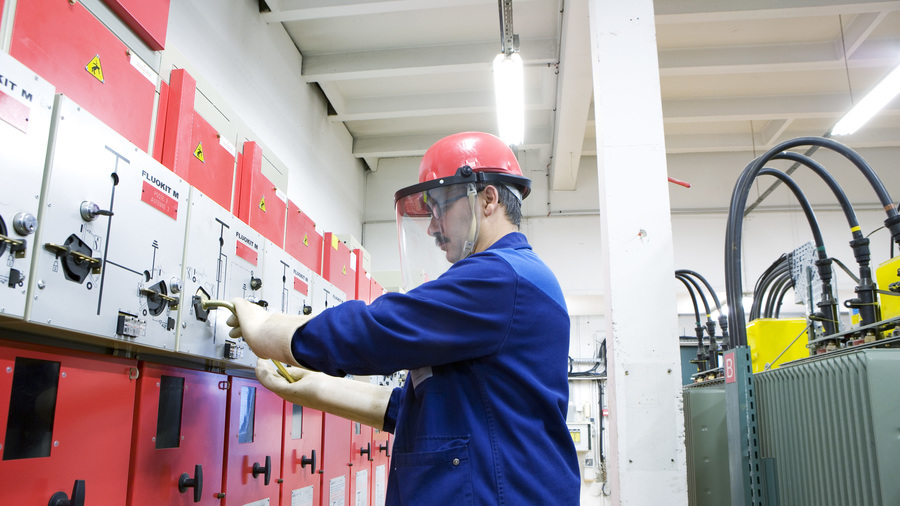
748, 484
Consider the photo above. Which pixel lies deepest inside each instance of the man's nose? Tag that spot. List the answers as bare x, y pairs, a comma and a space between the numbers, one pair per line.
434, 226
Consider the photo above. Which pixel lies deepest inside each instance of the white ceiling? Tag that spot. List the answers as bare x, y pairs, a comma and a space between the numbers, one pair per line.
737, 75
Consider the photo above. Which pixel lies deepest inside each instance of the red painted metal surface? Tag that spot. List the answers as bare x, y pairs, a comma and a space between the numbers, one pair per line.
375, 290
191, 146
239, 485
302, 241
66, 45
336, 473
258, 202
361, 458
155, 472
302, 456
91, 428
148, 18
363, 288
336, 266
381, 449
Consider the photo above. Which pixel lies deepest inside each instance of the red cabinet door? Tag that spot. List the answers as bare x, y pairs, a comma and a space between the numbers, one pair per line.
65, 419
179, 430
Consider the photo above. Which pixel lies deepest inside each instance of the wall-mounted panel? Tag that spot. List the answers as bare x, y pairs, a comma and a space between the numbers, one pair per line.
26, 103
111, 236
223, 259
302, 239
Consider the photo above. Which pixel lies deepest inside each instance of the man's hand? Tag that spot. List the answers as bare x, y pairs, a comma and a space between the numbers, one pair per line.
268, 334
354, 400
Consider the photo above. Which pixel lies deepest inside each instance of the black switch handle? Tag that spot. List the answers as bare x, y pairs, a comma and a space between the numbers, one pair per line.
384, 448
367, 451
185, 482
267, 470
310, 461
61, 499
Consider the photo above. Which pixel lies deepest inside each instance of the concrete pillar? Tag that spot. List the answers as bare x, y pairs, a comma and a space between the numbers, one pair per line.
647, 453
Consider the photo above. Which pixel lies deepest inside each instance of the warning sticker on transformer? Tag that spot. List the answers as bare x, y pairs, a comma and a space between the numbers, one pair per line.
156, 198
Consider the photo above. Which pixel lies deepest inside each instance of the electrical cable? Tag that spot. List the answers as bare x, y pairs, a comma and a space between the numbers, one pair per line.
865, 300
701, 351
733, 229
784, 291
723, 319
776, 294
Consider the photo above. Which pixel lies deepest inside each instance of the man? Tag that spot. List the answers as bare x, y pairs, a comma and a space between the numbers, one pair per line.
481, 418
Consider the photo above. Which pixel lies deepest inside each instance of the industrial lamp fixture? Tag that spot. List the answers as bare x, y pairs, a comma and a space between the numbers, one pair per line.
869, 106
509, 82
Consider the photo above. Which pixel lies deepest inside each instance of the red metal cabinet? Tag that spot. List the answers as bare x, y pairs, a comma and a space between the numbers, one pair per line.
66, 45
252, 444
258, 202
191, 146
302, 456
361, 458
337, 268
65, 420
302, 240
335, 460
381, 464
376, 290
179, 429
149, 19
363, 280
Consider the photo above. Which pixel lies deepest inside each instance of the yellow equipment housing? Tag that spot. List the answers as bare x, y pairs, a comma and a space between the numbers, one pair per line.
886, 274
768, 337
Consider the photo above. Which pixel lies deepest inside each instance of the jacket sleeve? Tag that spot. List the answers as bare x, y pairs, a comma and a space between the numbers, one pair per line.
464, 314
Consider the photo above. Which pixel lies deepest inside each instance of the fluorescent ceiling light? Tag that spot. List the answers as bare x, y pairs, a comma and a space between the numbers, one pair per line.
509, 89
863, 111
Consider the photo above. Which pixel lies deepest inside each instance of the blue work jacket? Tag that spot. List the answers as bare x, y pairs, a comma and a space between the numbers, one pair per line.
481, 417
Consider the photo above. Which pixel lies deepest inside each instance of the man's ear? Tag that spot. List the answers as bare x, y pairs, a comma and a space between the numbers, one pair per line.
491, 200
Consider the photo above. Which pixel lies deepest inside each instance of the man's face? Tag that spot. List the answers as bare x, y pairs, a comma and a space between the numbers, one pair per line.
451, 219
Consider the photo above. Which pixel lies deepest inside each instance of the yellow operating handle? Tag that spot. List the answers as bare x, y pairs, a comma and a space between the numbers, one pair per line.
207, 304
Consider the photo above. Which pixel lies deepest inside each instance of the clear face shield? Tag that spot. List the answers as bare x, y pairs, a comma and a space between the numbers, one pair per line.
437, 228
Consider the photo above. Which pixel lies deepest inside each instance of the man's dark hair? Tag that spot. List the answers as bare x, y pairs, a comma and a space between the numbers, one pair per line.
510, 202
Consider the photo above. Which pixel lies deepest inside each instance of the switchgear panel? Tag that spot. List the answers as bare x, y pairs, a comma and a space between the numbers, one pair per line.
223, 259
286, 282
177, 454
26, 102
252, 444
325, 295
65, 425
111, 236
302, 456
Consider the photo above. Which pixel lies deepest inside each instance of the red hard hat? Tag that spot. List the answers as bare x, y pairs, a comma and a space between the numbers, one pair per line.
481, 151
468, 157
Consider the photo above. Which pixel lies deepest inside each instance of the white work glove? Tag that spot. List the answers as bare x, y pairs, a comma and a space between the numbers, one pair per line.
269, 335
354, 400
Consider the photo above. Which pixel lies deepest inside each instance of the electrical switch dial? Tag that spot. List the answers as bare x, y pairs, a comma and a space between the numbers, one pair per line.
90, 211
76, 258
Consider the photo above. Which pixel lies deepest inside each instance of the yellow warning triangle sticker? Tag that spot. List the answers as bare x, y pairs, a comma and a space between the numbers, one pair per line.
94, 68
199, 152
262, 204
344, 270
306, 239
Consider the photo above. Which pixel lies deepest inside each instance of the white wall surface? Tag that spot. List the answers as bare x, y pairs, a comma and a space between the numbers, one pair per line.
255, 68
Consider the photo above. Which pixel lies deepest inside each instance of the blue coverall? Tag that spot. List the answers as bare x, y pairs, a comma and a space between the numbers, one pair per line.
481, 417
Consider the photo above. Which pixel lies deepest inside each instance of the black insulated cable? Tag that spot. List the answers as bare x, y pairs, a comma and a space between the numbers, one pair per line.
866, 300
733, 230
701, 352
